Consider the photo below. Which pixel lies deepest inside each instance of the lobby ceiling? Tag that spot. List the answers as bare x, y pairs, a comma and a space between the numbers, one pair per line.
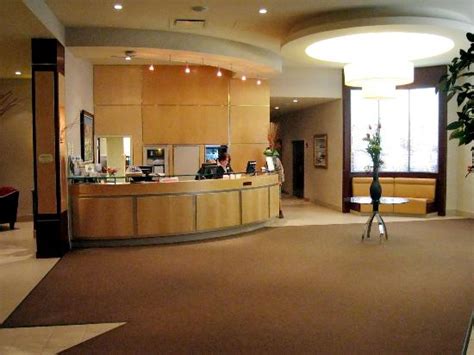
271, 41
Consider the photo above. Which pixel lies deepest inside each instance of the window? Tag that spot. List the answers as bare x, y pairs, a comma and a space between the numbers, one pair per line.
409, 130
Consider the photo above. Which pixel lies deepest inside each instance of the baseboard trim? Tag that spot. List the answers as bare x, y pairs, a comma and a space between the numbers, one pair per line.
327, 205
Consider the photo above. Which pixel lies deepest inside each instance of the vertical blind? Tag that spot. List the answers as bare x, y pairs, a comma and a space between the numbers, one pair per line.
409, 130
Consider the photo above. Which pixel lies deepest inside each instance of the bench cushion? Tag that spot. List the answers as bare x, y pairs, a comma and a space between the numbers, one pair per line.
415, 187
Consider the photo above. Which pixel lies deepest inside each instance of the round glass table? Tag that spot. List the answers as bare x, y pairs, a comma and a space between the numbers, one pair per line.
366, 200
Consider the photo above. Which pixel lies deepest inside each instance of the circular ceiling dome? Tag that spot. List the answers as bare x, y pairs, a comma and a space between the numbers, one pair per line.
369, 46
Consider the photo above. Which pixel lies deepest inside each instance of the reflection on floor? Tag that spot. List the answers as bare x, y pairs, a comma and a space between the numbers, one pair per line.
299, 212
20, 272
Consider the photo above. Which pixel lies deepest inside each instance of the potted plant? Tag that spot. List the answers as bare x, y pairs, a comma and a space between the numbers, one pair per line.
452, 83
374, 149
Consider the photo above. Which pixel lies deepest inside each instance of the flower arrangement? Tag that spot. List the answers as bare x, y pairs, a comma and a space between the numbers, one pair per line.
373, 147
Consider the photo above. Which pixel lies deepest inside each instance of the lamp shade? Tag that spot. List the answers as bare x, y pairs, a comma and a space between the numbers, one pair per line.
378, 79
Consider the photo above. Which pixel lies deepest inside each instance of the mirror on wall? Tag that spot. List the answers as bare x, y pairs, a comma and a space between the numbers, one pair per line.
115, 152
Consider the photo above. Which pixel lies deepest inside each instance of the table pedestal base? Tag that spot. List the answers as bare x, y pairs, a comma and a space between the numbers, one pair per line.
381, 223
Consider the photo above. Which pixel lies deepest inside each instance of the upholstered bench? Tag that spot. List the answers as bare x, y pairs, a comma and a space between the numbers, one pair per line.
420, 193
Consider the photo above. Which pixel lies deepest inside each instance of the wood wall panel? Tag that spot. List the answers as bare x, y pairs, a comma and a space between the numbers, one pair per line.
161, 215
255, 205
249, 124
185, 124
169, 85
45, 142
121, 121
241, 153
249, 93
274, 200
103, 217
211, 215
117, 85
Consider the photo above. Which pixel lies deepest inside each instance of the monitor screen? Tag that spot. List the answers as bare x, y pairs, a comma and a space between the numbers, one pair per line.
251, 167
270, 164
146, 169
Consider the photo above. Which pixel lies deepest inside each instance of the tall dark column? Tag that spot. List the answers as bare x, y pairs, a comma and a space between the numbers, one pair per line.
50, 152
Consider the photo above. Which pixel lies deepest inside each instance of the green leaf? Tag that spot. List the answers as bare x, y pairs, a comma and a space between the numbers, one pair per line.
470, 37
456, 134
454, 125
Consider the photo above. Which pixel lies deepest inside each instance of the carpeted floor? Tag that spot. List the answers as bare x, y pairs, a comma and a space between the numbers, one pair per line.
311, 289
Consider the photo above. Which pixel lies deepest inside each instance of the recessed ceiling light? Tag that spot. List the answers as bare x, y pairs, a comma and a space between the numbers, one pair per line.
187, 70
219, 73
118, 7
244, 78
262, 11
259, 82
151, 68
127, 57
295, 100
277, 108
18, 73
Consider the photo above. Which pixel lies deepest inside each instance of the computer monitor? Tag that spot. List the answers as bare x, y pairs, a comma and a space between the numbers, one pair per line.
251, 167
270, 164
146, 169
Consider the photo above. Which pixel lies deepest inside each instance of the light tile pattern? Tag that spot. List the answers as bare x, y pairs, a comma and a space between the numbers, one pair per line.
20, 271
299, 212
49, 340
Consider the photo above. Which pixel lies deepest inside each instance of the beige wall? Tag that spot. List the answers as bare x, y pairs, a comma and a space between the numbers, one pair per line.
459, 189
323, 186
16, 143
79, 97
168, 107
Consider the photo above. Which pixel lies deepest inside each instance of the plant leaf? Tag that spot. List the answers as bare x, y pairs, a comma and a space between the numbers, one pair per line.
454, 125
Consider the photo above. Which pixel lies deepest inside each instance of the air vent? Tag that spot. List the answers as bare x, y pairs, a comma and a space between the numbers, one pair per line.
189, 24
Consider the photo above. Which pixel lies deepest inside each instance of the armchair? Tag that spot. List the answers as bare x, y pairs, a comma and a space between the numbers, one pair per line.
8, 205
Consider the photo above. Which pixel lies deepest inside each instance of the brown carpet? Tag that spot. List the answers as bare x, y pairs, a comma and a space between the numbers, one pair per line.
311, 289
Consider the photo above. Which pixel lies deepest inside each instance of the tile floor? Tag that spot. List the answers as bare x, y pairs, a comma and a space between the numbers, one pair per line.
20, 272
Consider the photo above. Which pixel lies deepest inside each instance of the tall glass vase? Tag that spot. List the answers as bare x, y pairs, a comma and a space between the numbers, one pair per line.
375, 189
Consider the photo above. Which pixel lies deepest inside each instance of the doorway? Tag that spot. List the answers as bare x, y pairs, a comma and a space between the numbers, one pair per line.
298, 169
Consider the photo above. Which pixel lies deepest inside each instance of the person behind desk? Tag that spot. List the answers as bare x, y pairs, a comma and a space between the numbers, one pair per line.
223, 165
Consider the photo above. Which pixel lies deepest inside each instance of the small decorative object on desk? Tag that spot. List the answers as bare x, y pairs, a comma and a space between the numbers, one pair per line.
374, 149
111, 171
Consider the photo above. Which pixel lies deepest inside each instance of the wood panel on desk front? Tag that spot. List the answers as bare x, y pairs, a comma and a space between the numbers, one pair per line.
97, 218
218, 210
117, 85
255, 205
169, 85
274, 200
162, 215
184, 124
249, 124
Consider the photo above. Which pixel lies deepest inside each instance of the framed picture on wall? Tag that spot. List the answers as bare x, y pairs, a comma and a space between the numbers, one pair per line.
87, 137
320, 150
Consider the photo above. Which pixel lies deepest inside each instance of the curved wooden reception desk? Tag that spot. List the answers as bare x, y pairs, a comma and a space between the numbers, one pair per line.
153, 213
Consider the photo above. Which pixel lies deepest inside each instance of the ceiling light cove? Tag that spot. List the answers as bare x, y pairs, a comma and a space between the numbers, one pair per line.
367, 46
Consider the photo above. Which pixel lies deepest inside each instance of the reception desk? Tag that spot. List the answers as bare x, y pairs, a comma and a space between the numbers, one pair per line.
155, 213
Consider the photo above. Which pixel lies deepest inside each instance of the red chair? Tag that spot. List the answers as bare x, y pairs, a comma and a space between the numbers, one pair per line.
8, 205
